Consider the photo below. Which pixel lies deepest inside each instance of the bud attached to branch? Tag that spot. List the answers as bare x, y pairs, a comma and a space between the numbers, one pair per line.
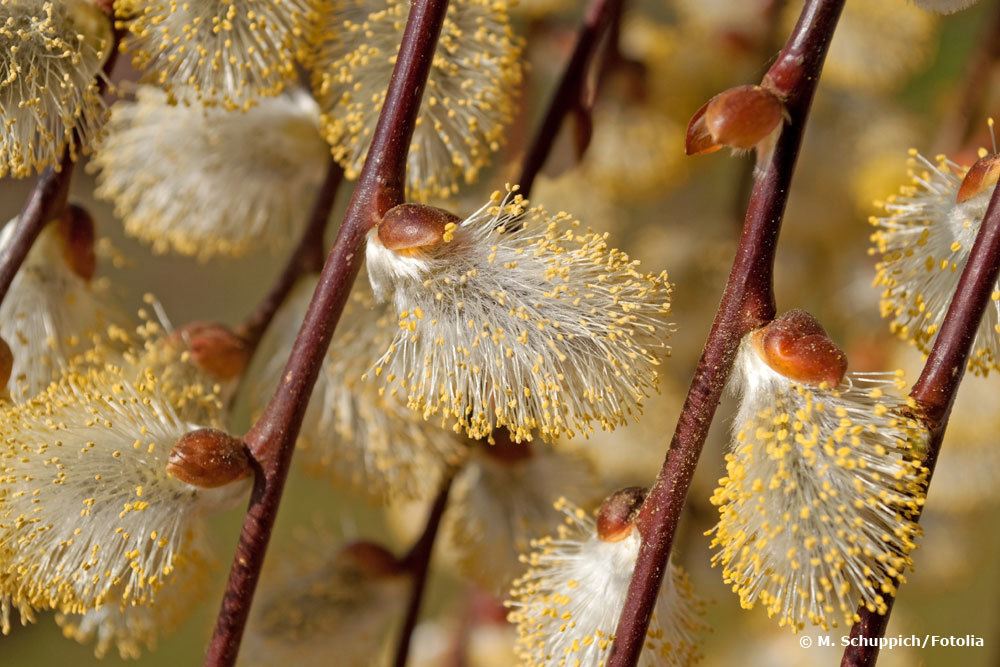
824, 480
982, 176
76, 231
215, 349
567, 602
796, 346
517, 318
616, 517
410, 228
742, 118
208, 458
371, 559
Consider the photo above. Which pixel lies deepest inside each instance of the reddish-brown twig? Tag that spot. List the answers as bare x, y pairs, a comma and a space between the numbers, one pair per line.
46, 202
271, 440
600, 18
770, 42
417, 561
938, 384
747, 303
306, 258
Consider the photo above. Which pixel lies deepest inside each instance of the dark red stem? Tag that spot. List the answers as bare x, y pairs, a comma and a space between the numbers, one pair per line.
271, 439
45, 203
769, 43
747, 303
418, 562
937, 387
600, 18
305, 259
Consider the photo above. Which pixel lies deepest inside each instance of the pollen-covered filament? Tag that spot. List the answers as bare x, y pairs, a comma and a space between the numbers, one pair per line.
219, 52
469, 98
49, 100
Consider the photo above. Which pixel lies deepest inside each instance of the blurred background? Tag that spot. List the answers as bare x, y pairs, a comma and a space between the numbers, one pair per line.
896, 78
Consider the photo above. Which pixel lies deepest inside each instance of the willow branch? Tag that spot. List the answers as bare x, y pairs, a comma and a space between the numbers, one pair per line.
599, 20
48, 198
46, 202
937, 387
959, 125
418, 562
306, 258
769, 43
271, 440
747, 303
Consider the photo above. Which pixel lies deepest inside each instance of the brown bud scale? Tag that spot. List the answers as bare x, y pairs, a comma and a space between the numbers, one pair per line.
616, 517
982, 176
372, 559
78, 236
740, 118
414, 227
215, 349
208, 458
796, 346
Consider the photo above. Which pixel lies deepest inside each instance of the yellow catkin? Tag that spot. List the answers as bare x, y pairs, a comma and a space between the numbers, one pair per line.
817, 509
50, 57
217, 52
208, 182
567, 604
468, 101
92, 527
530, 322
923, 241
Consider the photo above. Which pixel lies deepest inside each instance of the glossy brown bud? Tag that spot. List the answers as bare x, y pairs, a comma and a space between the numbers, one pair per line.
215, 349
77, 233
981, 177
371, 559
796, 346
208, 458
616, 517
740, 118
6, 365
699, 141
414, 227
